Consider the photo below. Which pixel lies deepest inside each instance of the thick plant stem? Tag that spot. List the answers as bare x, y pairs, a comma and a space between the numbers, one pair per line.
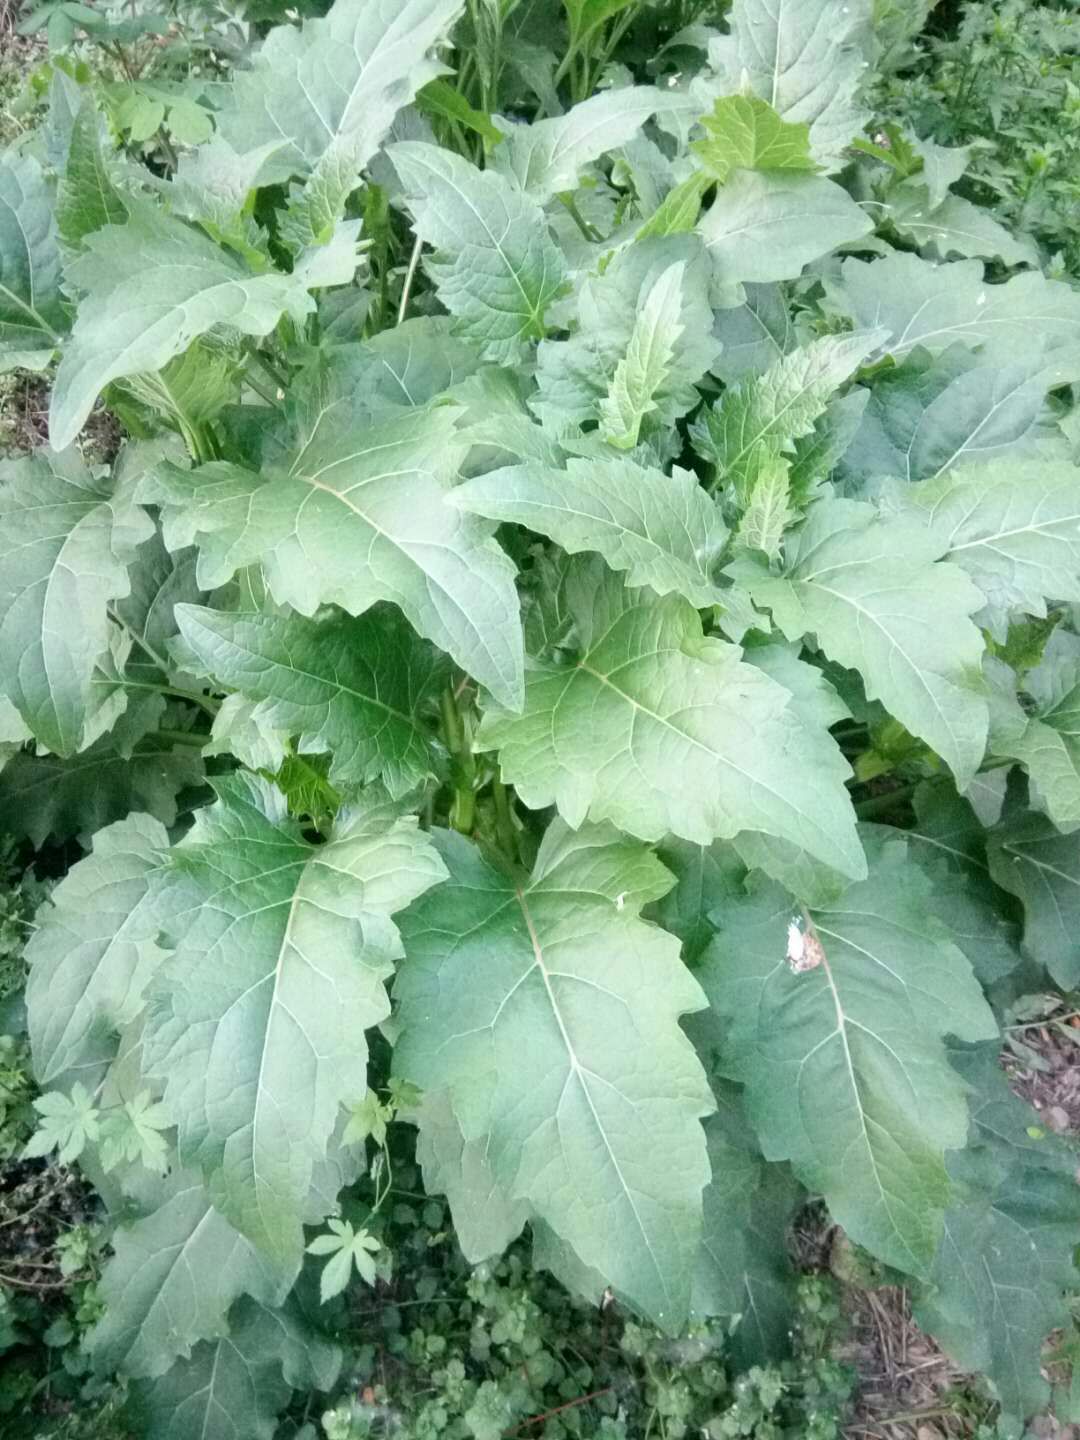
877, 805
504, 820
459, 744
406, 289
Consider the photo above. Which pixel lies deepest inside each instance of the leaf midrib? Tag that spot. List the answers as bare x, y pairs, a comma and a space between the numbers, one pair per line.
576, 1069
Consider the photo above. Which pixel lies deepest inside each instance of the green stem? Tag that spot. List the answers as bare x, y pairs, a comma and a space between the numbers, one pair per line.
261, 388
463, 806
589, 231
200, 441
181, 737
883, 804
204, 702
155, 655
504, 819
410, 273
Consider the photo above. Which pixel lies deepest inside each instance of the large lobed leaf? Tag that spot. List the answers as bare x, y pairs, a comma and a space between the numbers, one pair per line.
844, 1065
807, 58
66, 540
496, 268
331, 88
358, 689
1001, 1276
877, 598
256, 1022
549, 1013
359, 516
151, 287
32, 315
658, 728
664, 531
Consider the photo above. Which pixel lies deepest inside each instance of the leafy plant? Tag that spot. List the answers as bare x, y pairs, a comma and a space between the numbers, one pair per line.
576, 654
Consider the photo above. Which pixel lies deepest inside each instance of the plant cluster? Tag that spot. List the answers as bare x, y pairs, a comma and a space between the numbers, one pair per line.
576, 655
1005, 87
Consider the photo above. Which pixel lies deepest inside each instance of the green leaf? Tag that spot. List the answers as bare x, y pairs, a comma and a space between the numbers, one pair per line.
486, 1219
949, 844
929, 413
575, 377
662, 529
526, 1002
955, 226
769, 510
172, 1277
328, 91
496, 268
86, 198
42, 795
658, 728
920, 303
704, 876
131, 1135
256, 1021
66, 1124
586, 16
358, 689
1049, 745
160, 583
642, 371
32, 317
808, 61
396, 370
13, 733
743, 1269
65, 541
360, 516
549, 155
441, 99
93, 953
1013, 524
235, 1388
346, 1248
768, 225
679, 209
764, 415
1032, 860
152, 286
999, 1282
745, 133
871, 592
844, 1064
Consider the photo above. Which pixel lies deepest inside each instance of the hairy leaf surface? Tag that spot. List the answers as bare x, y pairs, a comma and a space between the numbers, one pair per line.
136, 316
94, 952
807, 60
766, 225
172, 1277
32, 318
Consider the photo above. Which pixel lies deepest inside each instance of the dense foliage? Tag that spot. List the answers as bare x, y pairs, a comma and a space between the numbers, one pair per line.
573, 669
